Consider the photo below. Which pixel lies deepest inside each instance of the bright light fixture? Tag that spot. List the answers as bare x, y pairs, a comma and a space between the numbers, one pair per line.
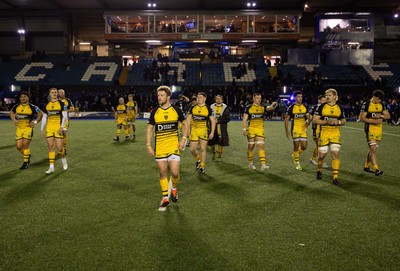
246, 41
200, 41
152, 41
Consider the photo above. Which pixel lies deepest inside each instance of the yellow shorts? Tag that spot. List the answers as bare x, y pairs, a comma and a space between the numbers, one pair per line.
122, 122
327, 138
53, 132
131, 120
198, 133
166, 149
24, 133
255, 132
374, 134
299, 134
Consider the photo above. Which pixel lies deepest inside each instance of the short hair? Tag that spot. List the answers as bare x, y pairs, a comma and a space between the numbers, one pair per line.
379, 94
180, 96
202, 93
166, 89
219, 95
53, 89
24, 93
256, 94
61, 90
130, 95
321, 96
331, 90
297, 93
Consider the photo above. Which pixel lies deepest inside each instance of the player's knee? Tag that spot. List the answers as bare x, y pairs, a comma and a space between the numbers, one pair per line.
335, 147
323, 149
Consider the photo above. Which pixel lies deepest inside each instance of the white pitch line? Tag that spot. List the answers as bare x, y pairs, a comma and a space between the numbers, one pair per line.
360, 129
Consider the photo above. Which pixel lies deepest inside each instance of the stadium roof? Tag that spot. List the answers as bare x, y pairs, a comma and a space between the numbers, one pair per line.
377, 6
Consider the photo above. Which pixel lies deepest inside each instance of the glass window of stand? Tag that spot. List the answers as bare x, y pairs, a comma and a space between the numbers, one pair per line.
265, 23
214, 23
116, 24
186, 23
286, 23
138, 24
236, 24
165, 24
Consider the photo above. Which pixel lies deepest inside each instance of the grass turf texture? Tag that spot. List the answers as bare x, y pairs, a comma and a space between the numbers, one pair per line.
101, 214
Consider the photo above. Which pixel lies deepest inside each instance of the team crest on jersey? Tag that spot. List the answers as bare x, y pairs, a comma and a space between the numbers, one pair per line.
22, 110
165, 117
52, 106
332, 111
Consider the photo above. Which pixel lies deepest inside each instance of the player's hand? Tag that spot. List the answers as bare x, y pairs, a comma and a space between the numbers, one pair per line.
150, 151
42, 134
116, 121
378, 121
15, 122
61, 131
245, 133
288, 135
274, 104
211, 136
182, 144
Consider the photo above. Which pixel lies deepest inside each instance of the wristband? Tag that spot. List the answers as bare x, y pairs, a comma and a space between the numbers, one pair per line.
339, 122
35, 121
244, 129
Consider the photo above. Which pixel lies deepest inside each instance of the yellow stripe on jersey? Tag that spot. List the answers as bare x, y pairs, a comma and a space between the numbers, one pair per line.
54, 112
166, 122
200, 116
121, 111
131, 105
24, 114
298, 114
327, 112
256, 115
374, 110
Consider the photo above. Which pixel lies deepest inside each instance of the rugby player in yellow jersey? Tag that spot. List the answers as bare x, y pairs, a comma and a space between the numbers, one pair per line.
253, 128
221, 136
200, 118
132, 109
24, 116
298, 113
70, 108
121, 117
330, 116
373, 113
163, 123
54, 121
316, 131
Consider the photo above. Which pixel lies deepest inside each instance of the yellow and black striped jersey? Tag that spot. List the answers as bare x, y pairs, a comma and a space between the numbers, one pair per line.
326, 112
54, 112
25, 113
298, 114
256, 115
131, 105
166, 122
200, 116
68, 104
121, 111
373, 110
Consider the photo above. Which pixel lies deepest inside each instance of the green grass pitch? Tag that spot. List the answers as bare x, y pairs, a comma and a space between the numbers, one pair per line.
102, 213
